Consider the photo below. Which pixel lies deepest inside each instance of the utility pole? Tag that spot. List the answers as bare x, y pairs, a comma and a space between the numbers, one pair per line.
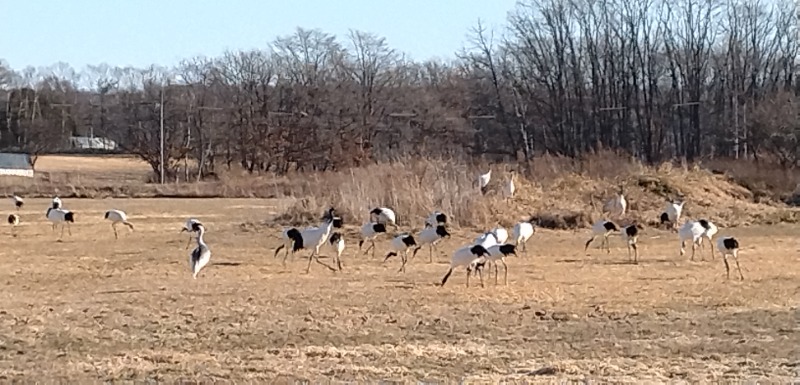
162, 132
64, 118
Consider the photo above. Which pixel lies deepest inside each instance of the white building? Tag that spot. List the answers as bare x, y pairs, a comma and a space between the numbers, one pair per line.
14, 164
92, 143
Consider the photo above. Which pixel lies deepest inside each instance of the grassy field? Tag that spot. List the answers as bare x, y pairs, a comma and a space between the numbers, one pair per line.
94, 308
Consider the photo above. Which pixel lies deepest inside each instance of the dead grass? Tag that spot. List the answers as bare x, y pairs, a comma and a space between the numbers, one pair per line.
767, 180
560, 193
92, 309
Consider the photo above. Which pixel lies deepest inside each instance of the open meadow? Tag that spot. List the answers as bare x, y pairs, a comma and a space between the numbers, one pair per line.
92, 308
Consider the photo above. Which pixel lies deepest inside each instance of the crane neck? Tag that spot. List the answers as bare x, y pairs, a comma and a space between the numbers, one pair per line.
200, 233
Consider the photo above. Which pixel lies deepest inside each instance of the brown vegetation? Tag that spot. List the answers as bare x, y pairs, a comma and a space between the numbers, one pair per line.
558, 192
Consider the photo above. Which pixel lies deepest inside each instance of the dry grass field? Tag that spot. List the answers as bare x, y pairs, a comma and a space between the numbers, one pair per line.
92, 308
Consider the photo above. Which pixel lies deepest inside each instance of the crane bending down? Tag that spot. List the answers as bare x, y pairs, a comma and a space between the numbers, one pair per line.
190, 226
116, 217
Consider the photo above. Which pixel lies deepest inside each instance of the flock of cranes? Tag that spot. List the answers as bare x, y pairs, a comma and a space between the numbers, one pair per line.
493, 246
489, 248
58, 215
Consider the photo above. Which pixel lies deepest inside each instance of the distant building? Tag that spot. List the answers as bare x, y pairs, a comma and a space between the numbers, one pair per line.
15, 164
92, 143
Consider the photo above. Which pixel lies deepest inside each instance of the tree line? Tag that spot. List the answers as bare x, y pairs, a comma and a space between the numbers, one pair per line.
659, 80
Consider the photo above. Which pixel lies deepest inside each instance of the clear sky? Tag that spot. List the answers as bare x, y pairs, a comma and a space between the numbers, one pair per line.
144, 32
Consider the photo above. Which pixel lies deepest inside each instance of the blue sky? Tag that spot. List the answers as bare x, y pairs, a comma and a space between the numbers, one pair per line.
144, 32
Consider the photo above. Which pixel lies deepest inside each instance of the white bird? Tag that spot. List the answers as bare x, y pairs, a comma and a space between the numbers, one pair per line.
13, 220
402, 244
510, 187
436, 218
711, 229
495, 236
201, 254
384, 216
486, 239
729, 246
336, 241
499, 234
471, 256
116, 217
691, 231
61, 216
189, 226
616, 205
431, 236
604, 228
630, 234
672, 213
18, 201
696, 231
369, 231
499, 253
309, 238
522, 232
483, 181
56, 203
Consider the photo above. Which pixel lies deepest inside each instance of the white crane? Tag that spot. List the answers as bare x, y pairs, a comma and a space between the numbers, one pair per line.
116, 217
402, 244
336, 241
510, 188
500, 233
604, 228
483, 181
13, 220
383, 215
60, 216
696, 231
201, 254
18, 201
431, 236
522, 232
616, 205
672, 213
630, 234
495, 236
710, 230
486, 239
436, 218
691, 231
473, 257
189, 226
730, 246
369, 231
309, 238
499, 253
